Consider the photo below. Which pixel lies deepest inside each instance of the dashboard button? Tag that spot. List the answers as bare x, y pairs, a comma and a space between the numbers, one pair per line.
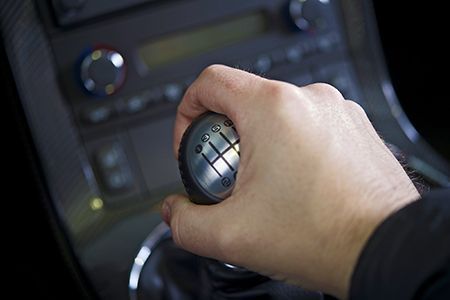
117, 180
294, 54
113, 168
135, 104
97, 114
328, 43
310, 15
263, 64
173, 92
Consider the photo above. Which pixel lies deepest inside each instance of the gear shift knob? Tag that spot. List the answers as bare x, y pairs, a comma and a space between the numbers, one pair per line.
209, 158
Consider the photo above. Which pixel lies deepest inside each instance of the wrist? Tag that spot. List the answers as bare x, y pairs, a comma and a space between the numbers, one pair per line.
361, 227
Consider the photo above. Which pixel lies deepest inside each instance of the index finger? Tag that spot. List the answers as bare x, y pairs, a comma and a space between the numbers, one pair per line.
220, 89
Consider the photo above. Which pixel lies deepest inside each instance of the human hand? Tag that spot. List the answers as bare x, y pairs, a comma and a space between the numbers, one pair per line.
314, 181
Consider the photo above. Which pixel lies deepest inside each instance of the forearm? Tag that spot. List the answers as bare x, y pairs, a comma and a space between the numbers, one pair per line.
408, 255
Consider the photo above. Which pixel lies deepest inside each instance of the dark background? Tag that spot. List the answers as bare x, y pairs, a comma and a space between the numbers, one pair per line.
413, 38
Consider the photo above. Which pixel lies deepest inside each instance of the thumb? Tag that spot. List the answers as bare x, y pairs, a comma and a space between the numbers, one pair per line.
195, 228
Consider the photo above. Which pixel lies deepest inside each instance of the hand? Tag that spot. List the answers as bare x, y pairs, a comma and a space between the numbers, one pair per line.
314, 181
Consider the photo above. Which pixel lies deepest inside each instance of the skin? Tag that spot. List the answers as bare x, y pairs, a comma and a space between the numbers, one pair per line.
314, 181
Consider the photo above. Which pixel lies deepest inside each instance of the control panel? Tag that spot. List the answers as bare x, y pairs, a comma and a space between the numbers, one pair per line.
124, 75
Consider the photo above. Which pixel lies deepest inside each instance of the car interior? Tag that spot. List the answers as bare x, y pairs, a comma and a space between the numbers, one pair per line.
91, 89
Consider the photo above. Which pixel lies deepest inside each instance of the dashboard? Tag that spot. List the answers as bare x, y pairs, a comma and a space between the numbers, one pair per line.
96, 85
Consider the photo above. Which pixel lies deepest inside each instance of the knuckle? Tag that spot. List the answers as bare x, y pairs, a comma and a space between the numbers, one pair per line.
327, 90
212, 71
224, 77
356, 107
279, 90
279, 94
188, 98
356, 110
180, 107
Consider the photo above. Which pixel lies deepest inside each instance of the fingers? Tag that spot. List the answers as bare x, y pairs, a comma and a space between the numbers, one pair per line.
196, 228
220, 89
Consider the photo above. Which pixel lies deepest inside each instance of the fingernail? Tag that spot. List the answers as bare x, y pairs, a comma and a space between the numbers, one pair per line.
165, 211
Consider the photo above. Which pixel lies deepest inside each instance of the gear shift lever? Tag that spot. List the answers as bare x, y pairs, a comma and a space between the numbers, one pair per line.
208, 162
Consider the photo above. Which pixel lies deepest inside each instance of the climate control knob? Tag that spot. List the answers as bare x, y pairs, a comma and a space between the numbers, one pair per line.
102, 71
310, 15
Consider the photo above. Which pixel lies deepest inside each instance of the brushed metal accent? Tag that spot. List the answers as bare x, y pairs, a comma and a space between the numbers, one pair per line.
213, 154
